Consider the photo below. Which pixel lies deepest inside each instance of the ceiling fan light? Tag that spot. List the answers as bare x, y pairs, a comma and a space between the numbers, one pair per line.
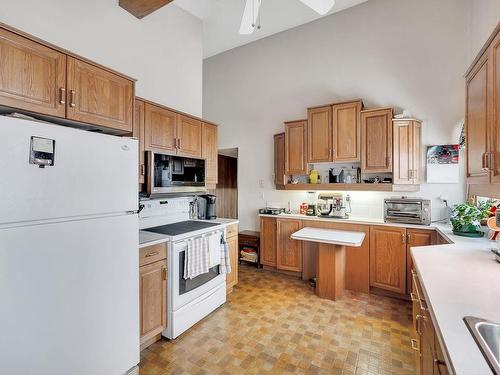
321, 7
250, 17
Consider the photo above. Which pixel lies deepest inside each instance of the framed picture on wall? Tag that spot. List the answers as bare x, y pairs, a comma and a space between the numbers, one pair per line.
442, 164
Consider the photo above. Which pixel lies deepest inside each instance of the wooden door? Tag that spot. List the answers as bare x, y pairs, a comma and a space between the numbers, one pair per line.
376, 140
159, 129
403, 152
476, 117
32, 76
279, 159
288, 251
99, 97
189, 136
210, 152
346, 132
268, 241
319, 134
495, 109
153, 299
138, 132
440, 367
295, 148
232, 278
227, 187
414, 238
415, 332
388, 258
427, 337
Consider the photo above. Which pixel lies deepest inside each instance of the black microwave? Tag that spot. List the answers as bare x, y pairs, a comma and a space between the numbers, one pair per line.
170, 174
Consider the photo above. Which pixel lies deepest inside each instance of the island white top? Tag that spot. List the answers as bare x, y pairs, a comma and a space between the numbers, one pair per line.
330, 236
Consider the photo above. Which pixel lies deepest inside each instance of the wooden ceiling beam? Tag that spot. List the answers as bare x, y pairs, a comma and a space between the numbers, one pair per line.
141, 8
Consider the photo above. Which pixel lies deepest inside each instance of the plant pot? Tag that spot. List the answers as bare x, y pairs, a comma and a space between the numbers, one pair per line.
468, 230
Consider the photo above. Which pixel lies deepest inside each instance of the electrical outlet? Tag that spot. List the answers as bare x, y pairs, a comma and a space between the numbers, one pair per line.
261, 195
261, 184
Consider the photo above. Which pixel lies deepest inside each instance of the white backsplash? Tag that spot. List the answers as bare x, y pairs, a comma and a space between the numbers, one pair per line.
163, 211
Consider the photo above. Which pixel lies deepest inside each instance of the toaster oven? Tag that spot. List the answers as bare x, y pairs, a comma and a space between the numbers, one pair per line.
407, 210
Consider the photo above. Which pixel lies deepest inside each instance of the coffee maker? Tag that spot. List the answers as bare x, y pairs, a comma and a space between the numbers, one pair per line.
206, 207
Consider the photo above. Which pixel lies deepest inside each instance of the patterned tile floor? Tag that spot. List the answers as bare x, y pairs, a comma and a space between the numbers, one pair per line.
275, 324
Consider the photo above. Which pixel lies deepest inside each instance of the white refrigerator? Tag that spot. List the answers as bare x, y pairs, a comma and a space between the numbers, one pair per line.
69, 286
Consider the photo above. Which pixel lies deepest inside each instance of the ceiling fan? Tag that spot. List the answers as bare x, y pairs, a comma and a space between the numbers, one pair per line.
251, 17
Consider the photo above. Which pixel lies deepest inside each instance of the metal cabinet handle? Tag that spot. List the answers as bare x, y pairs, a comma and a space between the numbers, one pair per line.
72, 94
413, 297
151, 254
418, 318
439, 364
143, 169
403, 238
179, 143
62, 95
164, 273
408, 238
487, 159
414, 345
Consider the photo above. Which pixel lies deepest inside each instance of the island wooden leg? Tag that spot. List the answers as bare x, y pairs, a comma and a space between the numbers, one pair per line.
330, 270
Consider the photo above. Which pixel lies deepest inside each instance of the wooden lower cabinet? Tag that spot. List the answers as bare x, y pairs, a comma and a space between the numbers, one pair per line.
388, 258
268, 241
232, 242
414, 238
152, 294
288, 251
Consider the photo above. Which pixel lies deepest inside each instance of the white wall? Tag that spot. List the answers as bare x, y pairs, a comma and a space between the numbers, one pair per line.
484, 15
407, 54
163, 51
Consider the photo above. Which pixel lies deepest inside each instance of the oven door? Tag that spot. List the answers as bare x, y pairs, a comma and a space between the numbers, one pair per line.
184, 291
403, 212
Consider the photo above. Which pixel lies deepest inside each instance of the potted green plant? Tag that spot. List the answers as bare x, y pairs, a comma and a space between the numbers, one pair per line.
466, 218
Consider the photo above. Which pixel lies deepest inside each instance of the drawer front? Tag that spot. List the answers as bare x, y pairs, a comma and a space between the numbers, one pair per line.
152, 254
232, 230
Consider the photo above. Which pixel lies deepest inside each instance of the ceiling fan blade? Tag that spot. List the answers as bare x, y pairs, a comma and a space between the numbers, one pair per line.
319, 6
249, 18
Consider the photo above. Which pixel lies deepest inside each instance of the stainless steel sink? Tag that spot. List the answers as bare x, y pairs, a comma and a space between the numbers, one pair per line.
487, 336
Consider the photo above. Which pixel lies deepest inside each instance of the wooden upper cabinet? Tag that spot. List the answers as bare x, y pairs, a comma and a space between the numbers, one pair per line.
268, 232
279, 159
288, 251
295, 147
138, 132
189, 136
406, 151
319, 134
210, 152
99, 97
346, 132
32, 76
495, 106
159, 129
376, 140
476, 118
388, 258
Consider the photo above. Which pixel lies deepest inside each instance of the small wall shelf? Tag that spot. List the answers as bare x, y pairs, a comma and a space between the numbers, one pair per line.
350, 187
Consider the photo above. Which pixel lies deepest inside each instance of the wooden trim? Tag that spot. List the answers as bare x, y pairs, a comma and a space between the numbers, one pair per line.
62, 50
483, 190
483, 49
350, 187
141, 8
339, 103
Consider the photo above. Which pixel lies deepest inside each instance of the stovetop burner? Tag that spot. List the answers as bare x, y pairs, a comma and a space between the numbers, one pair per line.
181, 227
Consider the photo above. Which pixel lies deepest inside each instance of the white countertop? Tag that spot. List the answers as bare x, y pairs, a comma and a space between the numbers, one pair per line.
330, 236
459, 279
150, 238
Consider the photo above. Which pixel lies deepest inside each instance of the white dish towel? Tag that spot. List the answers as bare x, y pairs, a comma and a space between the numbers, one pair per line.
214, 249
225, 261
197, 260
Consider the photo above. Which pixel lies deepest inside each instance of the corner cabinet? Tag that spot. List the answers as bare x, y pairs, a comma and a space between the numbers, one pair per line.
406, 152
376, 140
296, 147
279, 160
39, 78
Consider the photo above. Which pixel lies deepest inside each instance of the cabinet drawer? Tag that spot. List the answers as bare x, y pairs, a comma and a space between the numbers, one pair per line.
152, 254
231, 230
248, 241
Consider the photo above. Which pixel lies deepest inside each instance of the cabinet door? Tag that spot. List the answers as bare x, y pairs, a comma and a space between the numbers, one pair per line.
189, 136
476, 117
159, 129
288, 251
279, 159
388, 258
319, 135
32, 76
346, 132
414, 238
153, 299
495, 109
210, 152
138, 132
232, 278
416, 151
427, 338
376, 140
268, 241
406, 151
295, 148
99, 97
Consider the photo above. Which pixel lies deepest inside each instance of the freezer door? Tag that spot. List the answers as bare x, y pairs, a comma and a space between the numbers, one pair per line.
93, 174
70, 296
